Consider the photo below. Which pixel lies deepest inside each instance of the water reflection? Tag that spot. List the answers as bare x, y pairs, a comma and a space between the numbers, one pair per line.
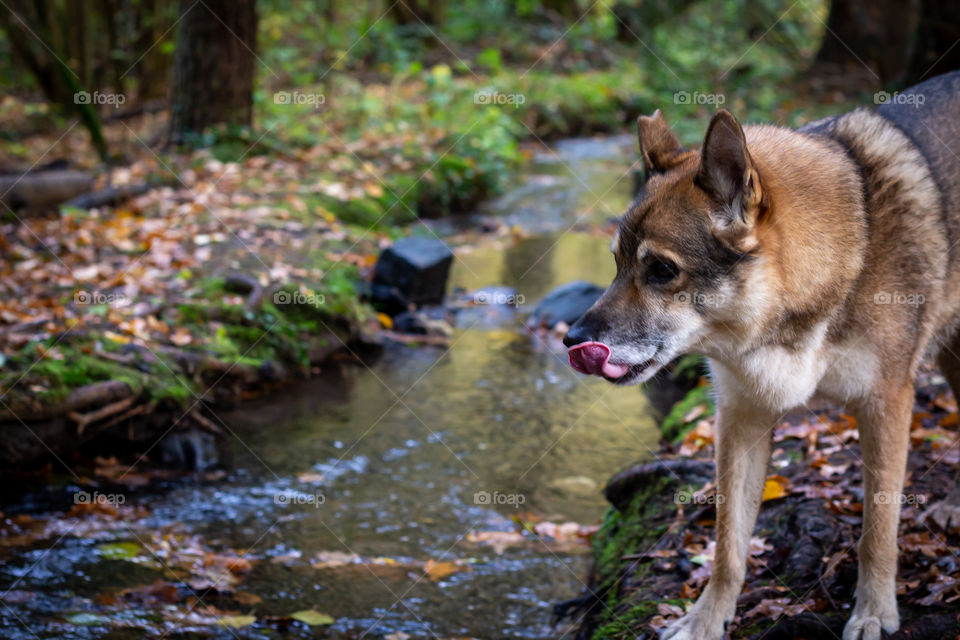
400, 449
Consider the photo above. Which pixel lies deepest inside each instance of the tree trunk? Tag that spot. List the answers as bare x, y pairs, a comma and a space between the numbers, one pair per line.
901, 42
214, 68
152, 70
875, 35
25, 26
935, 48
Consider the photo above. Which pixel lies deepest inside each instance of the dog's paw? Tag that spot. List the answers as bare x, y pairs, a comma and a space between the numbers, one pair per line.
693, 627
870, 627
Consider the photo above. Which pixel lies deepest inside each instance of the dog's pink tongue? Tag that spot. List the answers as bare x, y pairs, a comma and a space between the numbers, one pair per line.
594, 358
614, 371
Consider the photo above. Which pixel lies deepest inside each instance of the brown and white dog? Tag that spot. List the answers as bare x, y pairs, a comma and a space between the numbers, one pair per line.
817, 262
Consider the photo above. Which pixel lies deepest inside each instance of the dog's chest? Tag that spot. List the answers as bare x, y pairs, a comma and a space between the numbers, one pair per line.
781, 379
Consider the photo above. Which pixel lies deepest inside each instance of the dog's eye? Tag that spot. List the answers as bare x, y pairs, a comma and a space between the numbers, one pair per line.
662, 271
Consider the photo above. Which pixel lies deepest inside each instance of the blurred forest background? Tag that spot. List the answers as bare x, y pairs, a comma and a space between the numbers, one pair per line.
162, 160
193, 198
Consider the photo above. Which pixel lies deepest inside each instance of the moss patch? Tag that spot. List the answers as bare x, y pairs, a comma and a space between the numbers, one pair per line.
675, 426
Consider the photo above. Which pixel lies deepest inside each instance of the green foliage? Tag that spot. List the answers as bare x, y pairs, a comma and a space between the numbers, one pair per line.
78, 368
459, 148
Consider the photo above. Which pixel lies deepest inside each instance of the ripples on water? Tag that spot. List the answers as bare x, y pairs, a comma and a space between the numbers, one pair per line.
399, 450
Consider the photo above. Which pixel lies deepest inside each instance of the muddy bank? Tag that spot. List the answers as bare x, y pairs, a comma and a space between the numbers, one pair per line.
92, 393
653, 552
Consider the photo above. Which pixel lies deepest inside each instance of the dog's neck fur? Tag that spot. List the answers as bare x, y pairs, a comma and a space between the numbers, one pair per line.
802, 246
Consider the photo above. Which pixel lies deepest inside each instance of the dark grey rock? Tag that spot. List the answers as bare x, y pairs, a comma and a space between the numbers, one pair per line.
190, 450
566, 304
492, 307
486, 317
410, 322
431, 321
413, 271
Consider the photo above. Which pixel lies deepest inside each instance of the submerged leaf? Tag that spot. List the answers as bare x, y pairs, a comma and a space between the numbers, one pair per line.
312, 618
119, 550
235, 622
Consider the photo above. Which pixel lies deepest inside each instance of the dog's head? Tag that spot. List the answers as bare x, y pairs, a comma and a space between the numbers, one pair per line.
683, 251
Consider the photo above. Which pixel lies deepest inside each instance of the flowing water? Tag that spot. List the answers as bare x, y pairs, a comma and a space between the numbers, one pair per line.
386, 494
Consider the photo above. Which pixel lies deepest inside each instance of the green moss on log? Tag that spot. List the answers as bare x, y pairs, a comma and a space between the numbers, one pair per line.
675, 425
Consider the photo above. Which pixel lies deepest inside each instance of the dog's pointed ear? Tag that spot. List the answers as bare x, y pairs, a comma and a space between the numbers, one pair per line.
658, 145
728, 174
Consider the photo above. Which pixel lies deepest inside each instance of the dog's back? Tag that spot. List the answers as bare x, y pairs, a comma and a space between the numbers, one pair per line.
911, 178
929, 113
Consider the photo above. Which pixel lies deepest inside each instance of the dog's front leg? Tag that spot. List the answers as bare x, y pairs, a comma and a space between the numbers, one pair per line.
743, 441
884, 422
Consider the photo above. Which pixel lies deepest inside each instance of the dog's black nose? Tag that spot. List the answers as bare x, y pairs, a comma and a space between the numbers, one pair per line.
576, 335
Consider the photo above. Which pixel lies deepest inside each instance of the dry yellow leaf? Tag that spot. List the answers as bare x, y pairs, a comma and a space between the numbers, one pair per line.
775, 487
439, 570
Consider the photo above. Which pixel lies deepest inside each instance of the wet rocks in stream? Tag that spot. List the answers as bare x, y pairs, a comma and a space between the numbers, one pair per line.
492, 307
429, 321
565, 304
411, 272
189, 450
